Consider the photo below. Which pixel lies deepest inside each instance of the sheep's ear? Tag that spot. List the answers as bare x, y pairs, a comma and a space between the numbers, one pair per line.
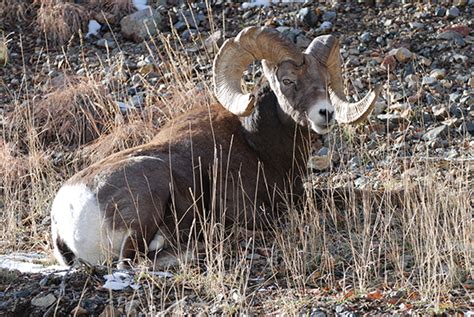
326, 50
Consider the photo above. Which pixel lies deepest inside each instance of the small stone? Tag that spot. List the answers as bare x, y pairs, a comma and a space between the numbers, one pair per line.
21, 294
319, 163
42, 300
403, 55
435, 133
247, 15
392, 118
105, 43
470, 127
467, 100
339, 309
424, 60
389, 62
440, 11
329, 16
44, 281
140, 25
388, 22
429, 99
365, 37
459, 42
460, 58
323, 151
325, 26
189, 34
416, 25
453, 12
470, 83
317, 313
399, 106
438, 73
180, 26
354, 162
440, 112
137, 101
411, 80
380, 107
428, 80
307, 16
454, 97
450, 36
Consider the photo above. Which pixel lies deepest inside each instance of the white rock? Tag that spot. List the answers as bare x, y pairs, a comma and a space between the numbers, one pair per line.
438, 73
93, 28
140, 4
43, 301
428, 80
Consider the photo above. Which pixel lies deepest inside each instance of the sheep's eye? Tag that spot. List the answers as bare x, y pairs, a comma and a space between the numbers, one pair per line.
287, 82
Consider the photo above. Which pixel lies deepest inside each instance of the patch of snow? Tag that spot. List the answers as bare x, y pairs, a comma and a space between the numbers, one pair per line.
93, 28
140, 4
162, 274
29, 263
119, 280
266, 3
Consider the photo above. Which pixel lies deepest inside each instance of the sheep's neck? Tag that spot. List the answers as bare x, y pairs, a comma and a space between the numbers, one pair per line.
278, 141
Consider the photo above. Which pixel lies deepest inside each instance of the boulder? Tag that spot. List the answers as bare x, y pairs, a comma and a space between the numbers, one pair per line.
141, 24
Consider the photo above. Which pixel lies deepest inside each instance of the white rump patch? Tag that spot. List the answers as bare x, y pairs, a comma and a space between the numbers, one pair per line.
78, 221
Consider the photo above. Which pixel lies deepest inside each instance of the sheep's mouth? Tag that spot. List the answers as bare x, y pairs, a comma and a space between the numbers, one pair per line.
320, 128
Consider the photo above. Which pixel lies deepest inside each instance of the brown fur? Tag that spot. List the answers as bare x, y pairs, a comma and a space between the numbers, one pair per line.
147, 187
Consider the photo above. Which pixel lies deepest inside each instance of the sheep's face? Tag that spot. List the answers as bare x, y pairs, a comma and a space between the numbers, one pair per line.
302, 92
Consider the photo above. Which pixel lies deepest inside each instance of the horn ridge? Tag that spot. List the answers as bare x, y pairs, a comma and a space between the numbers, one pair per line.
252, 43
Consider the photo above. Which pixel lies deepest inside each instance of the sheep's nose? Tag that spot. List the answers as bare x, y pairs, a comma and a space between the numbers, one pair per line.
326, 114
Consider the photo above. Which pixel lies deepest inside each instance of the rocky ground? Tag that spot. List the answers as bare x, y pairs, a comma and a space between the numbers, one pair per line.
422, 55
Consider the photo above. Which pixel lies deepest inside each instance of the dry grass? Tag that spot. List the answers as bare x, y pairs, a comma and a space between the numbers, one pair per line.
420, 241
71, 115
60, 20
14, 10
117, 8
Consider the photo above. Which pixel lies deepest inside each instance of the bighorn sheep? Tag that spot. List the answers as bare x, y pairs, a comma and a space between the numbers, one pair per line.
138, 200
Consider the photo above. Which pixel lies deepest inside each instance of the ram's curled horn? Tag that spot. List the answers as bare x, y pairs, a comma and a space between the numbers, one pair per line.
326, 50
251, 44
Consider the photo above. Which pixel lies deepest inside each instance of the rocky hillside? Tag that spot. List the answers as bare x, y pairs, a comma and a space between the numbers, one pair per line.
79, 81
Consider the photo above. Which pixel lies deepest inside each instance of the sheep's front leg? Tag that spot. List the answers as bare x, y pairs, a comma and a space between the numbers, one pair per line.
130, 250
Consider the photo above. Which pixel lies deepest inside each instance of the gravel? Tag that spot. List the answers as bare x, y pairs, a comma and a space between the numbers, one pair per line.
421, 55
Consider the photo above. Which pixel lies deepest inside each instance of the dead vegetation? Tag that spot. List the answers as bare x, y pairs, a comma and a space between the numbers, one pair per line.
373, 252
62, 20
59, 20
71, 115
